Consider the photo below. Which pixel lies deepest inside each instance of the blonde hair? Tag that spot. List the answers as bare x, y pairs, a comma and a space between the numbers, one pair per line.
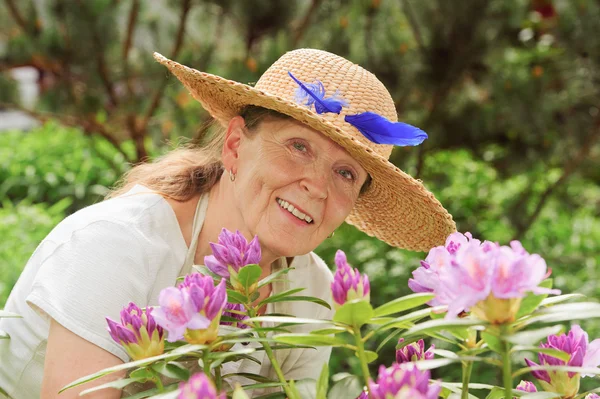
191, 169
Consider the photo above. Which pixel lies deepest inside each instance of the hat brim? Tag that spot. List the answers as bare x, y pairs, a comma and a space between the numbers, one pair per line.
396, 208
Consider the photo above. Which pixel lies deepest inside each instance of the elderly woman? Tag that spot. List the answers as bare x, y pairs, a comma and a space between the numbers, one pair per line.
299, 153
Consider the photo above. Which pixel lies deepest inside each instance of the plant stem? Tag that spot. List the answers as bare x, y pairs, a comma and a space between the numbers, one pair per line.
269, 352
360, 350
218, 378
506, 365
159, 383
206, 364
466, 377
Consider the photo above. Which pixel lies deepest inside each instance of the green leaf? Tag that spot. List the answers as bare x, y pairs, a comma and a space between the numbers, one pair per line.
174, 354
298, 298
354, 313
394, 334
371, 356
433, 326
310, 339
565, 312
580, 370
172, 370
560, 298
276, 297
236, 297
347, 387
493, 342
332, 330
250, 376
323, 383
532, 301
287, 320
531, 337
548, 351
403, 303
118, 384
142, 374
7, 314
407, 320
248, 276
456, 389
271, 277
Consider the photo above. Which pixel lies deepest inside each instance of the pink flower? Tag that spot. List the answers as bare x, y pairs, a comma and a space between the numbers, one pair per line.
199, 387
486, 278
413, 352
403, 381
348, 283
232, 251
177, 312
138, 332
582, 354
526, 386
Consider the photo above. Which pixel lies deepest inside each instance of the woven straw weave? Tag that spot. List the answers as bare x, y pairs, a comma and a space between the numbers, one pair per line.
397, 208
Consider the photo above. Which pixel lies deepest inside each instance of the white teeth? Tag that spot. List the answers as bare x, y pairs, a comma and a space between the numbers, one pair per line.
290, 208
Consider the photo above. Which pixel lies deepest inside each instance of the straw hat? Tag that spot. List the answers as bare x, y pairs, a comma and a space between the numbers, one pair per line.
396, 208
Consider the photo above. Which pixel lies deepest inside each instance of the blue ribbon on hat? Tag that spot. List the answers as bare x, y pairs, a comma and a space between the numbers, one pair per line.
374, 127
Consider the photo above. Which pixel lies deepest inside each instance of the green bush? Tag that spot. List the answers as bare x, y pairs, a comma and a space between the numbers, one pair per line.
22, 228
54, 162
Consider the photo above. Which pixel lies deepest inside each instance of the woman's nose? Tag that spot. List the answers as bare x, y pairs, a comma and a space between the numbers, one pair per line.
315, 183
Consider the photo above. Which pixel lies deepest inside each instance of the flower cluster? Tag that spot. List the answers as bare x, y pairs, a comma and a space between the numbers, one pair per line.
231, 253
488, 279
348, 283
403, 381
199, 387
192, 310
413, 352
138, 332
582, 354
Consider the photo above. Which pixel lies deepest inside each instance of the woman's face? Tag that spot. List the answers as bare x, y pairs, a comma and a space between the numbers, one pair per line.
293, 186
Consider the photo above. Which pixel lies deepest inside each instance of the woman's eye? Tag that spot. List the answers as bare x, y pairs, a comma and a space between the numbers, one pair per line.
346, 174
299, 146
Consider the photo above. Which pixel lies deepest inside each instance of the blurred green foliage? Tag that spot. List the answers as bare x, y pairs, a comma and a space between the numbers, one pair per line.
508, 91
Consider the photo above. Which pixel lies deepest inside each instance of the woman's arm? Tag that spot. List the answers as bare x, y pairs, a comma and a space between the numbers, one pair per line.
69, 357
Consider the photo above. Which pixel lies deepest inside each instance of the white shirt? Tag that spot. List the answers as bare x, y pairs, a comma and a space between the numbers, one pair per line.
122, 250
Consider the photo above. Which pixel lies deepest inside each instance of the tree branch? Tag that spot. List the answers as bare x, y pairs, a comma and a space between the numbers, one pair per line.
177, 46
570, 167
133, 14
304, 23
27, 28
100, 61
414, 25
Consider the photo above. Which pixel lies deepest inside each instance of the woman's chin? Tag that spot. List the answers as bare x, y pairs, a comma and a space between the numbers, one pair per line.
286, 246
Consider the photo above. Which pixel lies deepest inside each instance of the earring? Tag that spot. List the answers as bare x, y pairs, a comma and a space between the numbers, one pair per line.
331, 235
231, 176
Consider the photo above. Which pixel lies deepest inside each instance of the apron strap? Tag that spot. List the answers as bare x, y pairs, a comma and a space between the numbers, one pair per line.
199, 217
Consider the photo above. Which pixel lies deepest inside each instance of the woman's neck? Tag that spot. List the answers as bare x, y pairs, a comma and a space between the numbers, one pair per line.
220, 214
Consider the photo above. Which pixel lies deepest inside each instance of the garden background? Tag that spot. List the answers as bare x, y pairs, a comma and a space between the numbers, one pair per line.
508, 91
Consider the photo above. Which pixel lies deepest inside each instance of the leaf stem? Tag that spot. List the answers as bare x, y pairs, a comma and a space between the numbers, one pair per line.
269, 351
466, 377
506, 364
360, 350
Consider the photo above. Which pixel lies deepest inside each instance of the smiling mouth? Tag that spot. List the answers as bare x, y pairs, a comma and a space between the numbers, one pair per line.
290, 208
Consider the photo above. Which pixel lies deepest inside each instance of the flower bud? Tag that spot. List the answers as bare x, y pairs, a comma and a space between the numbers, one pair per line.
413, 352
138, 332
403, 381
232, 252
348, 284
526, 386
199, 387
